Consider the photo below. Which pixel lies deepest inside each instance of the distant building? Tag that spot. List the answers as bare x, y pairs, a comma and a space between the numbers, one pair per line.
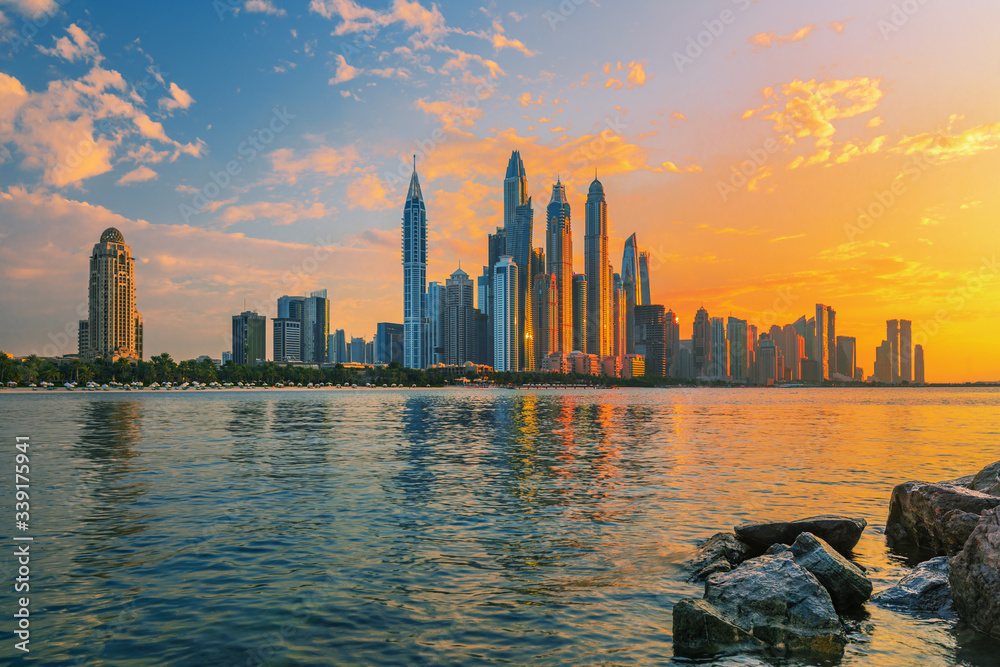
736, 333
632, 284
651, 338
769, 363
389, 343
847, 355
249, 338
340, 355
595, 259
720, 350
287, 340
612, 366
556, 362
357, 350
226, 356
905, 351
437, 321
370, 352
316, 328
672, 352
559, 260
883, 363
618, 316
702, 339
918, 365
633, 366
892, 338
685, 364
505, 308
113, 329
544, 304
460, 319
482, 338
644, 277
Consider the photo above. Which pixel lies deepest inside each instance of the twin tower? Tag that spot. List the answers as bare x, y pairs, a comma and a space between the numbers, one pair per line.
539, 311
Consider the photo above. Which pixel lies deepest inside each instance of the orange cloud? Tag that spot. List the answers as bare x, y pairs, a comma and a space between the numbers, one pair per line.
280, 213
768, 39
138, 175
327, 161
369, 192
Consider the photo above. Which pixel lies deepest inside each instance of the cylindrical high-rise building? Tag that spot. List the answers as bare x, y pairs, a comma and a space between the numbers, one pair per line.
114, 327
632, 282
505, 310
595, 259
415, 324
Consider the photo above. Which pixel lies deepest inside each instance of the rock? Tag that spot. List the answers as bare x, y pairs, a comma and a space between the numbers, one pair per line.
924, 589
779, 603
936, 518
776, 549
719, 553
961, 481
840, 532
987, 480
975, 576
848, 587
702, 630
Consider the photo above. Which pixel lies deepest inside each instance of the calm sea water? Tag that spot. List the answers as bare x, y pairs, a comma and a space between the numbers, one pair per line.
447, 527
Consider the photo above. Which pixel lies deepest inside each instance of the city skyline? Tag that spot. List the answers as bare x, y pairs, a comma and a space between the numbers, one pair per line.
846, 178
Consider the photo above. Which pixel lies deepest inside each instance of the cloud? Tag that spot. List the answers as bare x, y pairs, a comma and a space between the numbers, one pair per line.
32, 8
766, 40
838, 26
179, 99
138, 175
671, 167
636, 74
345, 71
849, 251
428, 24
369, 193
753, 231
946, 146
263, 7
280, 213
77, 45
451, 114
786, 238
502, 42
325, 161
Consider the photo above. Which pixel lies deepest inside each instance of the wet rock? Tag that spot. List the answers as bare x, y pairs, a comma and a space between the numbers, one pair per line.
961, 481
719, 553
702, 630
936, 518
975, 576
987, 480
779, 603
840, 532
924, 589
848, 587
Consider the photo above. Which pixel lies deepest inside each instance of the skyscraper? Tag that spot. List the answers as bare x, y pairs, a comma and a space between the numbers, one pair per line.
793, 348
651, 338
545, 315
249, 338
831, 342
905, 351
519, 246
702, 339
580, 309
559, 259
505, 310
537, 262
918, 364
672, 352
619, 348
287, 340
821, 353
892, 337
720, 349
644, 279
316, 329
293, 308
461, 320
388, 342
515, 191
437, 322
736, 333
340, 355
847, 355
632, 284
883, 363
497, 249
357, 350
595, 259
415, 275
114, 327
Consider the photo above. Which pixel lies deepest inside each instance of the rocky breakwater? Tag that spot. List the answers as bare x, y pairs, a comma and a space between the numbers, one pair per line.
958, 521
771, 596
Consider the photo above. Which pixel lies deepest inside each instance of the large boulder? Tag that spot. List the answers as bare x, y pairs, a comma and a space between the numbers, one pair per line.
975, 576
840, 532
702, 630
719, 553
934, 518
925, 589
848, 586
987, 480
777, 602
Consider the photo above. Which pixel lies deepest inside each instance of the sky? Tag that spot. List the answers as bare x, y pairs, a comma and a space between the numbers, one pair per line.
769, 154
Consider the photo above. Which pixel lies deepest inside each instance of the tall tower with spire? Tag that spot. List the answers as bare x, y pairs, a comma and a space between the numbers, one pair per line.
595, 258
515, 190
415, 326
559, 260
632, 283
